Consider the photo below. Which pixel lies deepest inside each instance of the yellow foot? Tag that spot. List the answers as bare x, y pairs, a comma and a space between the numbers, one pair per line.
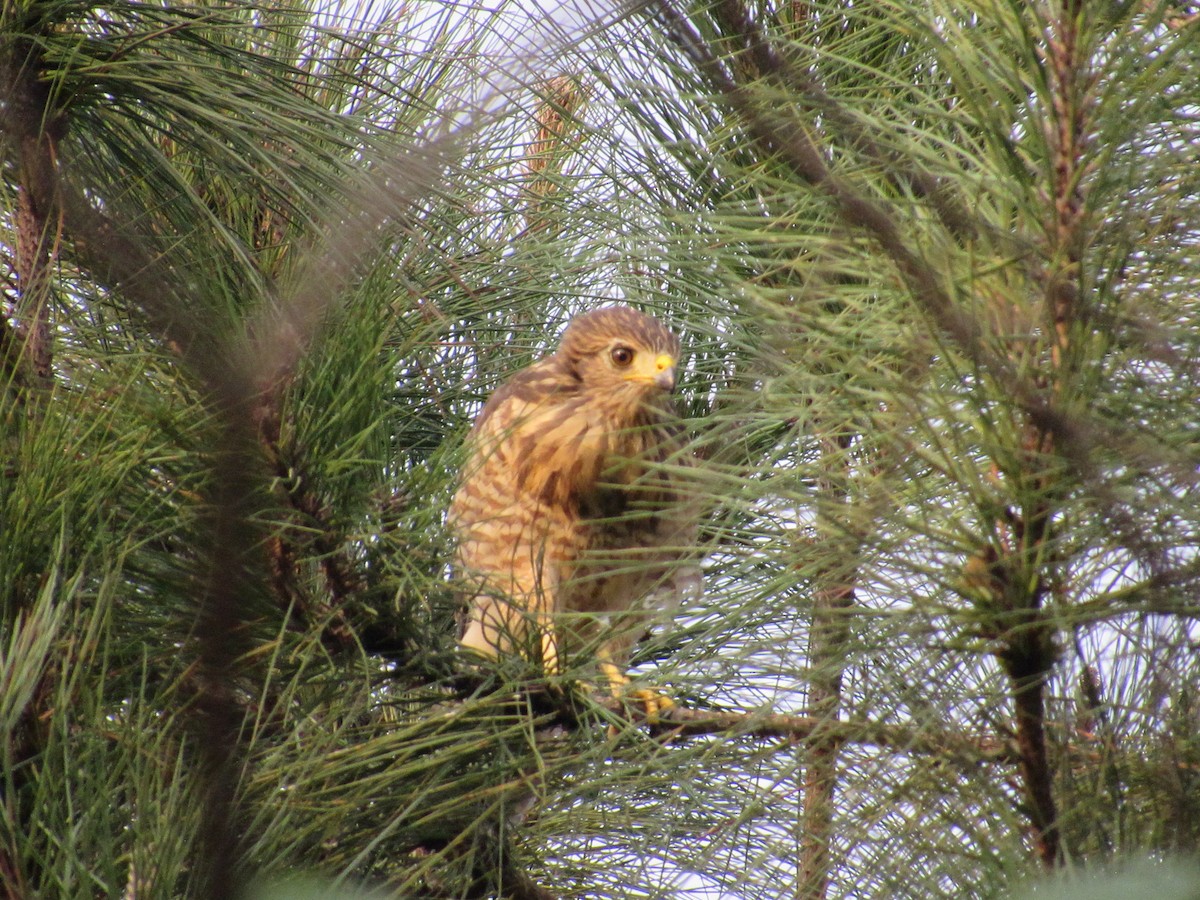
653, 703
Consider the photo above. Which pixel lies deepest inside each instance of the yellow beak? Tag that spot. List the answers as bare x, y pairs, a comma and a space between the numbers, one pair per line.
659, 371
664, 372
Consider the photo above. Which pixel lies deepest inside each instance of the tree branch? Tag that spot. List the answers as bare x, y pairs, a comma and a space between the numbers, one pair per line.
778, 131
678, 721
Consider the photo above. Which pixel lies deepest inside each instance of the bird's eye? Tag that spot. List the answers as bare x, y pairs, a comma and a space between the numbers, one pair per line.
622, 356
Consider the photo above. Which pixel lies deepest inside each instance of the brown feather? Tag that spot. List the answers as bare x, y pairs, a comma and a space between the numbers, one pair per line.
571, 499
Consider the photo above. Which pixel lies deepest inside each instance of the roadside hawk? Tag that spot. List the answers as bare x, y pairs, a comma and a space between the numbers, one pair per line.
572, 517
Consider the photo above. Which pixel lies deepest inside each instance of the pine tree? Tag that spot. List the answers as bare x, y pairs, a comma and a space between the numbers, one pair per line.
934, 268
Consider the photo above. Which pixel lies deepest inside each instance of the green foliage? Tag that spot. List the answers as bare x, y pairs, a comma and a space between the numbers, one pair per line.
941, 378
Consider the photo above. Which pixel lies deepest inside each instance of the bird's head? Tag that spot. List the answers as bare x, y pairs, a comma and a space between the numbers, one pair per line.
629, 356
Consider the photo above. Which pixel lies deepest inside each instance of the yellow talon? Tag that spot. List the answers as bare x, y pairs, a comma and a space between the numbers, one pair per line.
652, 702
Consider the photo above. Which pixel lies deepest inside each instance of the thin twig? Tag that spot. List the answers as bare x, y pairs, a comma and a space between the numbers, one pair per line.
678, 721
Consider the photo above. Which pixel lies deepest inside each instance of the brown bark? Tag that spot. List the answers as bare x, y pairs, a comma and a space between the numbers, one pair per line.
34, 128
829, 633
1029, 699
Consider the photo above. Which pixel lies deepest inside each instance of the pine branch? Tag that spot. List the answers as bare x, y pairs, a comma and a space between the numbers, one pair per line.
780, 133
34, 127
678, 721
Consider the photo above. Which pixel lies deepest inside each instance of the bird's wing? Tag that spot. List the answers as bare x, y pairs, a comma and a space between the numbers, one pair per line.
512, 532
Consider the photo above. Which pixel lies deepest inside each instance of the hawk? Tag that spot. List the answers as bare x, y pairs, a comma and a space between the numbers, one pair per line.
572, 518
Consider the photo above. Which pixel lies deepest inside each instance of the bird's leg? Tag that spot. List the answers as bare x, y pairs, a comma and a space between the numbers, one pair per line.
550, 662
653, 702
